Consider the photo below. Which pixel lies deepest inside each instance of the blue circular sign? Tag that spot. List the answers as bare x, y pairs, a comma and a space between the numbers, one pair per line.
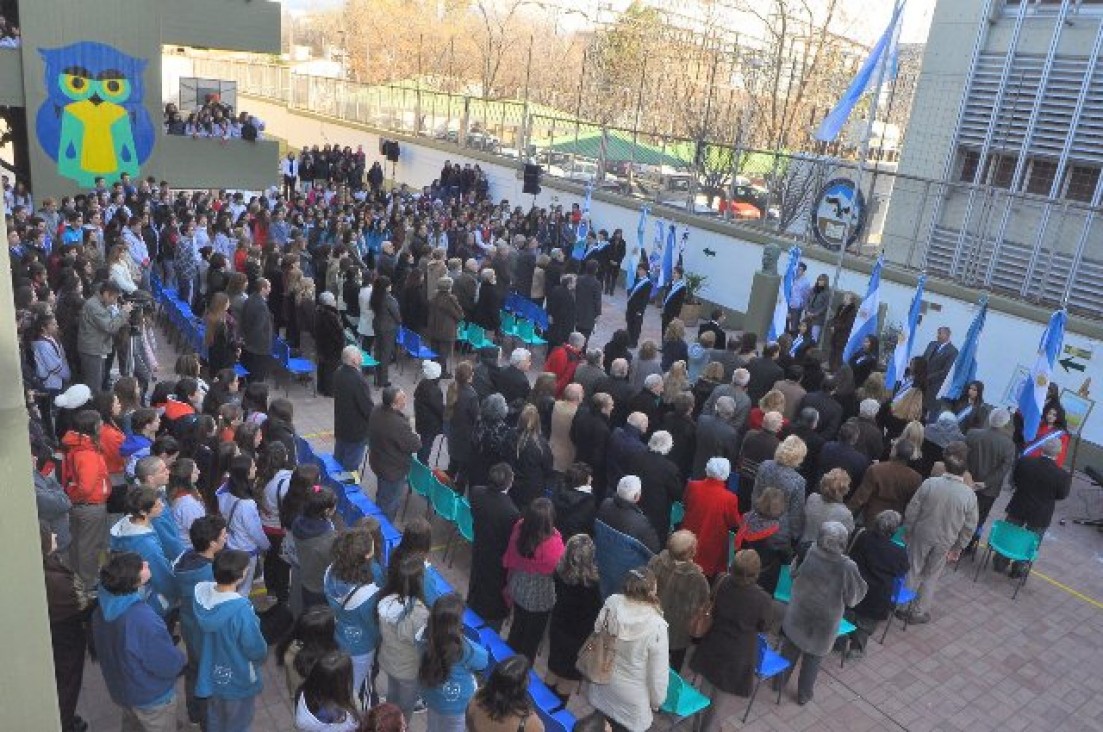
839, 212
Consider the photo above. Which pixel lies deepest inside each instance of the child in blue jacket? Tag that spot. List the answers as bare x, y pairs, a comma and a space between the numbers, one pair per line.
134, 533
232, 648
136, 654
449, 661
351, 591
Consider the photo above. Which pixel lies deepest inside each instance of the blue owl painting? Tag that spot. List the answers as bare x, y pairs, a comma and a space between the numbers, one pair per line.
93, 122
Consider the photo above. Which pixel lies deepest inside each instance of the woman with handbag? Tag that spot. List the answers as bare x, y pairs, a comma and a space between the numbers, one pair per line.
531, 557
728, 652
577, 603
683, 591
638, 656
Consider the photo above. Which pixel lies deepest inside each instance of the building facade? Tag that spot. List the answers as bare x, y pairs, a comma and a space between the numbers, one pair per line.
1000, 172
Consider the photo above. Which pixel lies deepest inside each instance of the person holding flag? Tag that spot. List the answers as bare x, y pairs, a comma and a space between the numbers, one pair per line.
905, 341
638, 297
1043, 417
674, 299
865, 322
963, 371
784, 306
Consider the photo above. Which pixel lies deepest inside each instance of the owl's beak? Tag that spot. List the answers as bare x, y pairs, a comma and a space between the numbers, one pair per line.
95, 99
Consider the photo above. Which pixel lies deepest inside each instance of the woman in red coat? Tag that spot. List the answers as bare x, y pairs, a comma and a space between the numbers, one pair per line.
711, 512
1051, 428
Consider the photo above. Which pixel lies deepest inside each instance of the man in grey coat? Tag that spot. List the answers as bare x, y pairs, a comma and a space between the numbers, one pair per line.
938, 523
100, 319
255, 329
393, 443
587, 297
991, 457
737, 390
718, 435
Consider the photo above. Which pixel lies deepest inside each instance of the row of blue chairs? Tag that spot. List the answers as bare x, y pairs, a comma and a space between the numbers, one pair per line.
522, 307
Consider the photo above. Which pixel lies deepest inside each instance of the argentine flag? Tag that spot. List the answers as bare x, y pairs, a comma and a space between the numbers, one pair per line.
633, 257
964, 369
784, 294
1032, 396
866, 322
905, 342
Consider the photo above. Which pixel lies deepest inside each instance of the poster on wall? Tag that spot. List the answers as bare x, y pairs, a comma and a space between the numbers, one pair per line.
1010, 398
1077, 410
93, 122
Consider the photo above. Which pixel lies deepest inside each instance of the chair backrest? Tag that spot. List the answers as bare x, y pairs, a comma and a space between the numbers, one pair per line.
421, 479
444, 500
898, 537
677, 513
561, 721
784, 588
1009, 539
673, 692
464, 520
413, 342
763, 647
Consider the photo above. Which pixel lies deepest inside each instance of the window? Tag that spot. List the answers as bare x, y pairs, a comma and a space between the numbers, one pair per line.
999, 170
1040, 179
1081, 182
969, 160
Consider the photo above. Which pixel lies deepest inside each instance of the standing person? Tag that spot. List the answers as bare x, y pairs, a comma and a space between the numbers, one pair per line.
392, 442
351, 590
386, 321
824, 585
638, 297
289, 169
134, 533
232, 649
313, 534
504, 704
402, 616
711, 512
1039, 483
815, 308
67, 603
674, 299
139, 661
562, 419
256, 332
562, 311
577, 603
465, 417
841, 325
428, 409
532, 459
991, 457
661, 482
881, 563
888, 485
445, 314
324, 702
727, 656
683, 590
587, 295
329, 339
238, 505
640, 665
100, 319
352, 410
798, 297
493, 517
782, 472
618, 250
938, 523
85, 479
446, 674
534, 549
622, 513
940, 355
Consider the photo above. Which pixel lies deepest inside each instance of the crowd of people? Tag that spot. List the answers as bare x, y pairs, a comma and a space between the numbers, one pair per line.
213, 119
168, 500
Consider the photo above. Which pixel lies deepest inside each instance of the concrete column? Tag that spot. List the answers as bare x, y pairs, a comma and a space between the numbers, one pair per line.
27, 697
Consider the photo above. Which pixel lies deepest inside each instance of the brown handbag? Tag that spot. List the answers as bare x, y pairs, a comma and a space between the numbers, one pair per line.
595, 658
701, 621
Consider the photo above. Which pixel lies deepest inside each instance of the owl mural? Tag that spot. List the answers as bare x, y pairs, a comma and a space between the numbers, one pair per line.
93, 122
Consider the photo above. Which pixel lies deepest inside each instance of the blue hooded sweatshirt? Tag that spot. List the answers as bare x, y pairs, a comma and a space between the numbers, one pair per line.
167, 530
354, 607
189, 569
134, 448
451, 697
232, 649
138, 660
130, 537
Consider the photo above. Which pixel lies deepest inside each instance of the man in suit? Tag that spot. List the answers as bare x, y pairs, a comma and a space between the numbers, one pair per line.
715, 325
256, 330
675, 298
1039, 483
493, 515
991, 457
587, 297
352, 408
940, 355
638, 298
562, 311
830, 411
764, 372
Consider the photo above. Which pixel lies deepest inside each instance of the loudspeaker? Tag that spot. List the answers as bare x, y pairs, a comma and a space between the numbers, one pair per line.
532, 179
392, 151
383, 146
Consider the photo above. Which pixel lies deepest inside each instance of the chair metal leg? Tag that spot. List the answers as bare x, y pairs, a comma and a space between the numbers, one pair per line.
846, 648
406, 504
983, 564
754, 691
888, 624
1022, 580
448, 546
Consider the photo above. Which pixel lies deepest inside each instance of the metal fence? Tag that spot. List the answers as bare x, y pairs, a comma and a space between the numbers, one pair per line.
1040, 250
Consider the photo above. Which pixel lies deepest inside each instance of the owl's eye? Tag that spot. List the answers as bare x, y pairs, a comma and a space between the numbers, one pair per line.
75, 87
114, 90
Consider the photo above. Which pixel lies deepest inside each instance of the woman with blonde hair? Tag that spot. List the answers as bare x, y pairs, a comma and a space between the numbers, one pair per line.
675, 382
771, 401
641, 654
874, 388
532, 460
577, 603
826, 505
675, 347
711, 377
645, 363
781, 472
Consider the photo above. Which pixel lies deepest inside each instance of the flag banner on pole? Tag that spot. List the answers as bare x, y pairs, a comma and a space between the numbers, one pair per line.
865, 324
905, 341
1032, 395
682, 244
666, 274
964, 369
784, 294
588, 199
634, 258
654, 260
833, 124
579, 250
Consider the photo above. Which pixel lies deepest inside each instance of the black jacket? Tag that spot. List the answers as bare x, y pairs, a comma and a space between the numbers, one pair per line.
624, 444
352, 404
532, 472
493, 516
513, 384
831, 413
840, 455
715, 438
880, 563
590, 435
713, 327
465, 416
276, 430
684, 432
329, 334
814, 443
651, 405
562, 312
662, 486
627, 518
638, 298
574, 511
492, 444
621, 391
1039, 483
428, 408
587, 296
764, 372
488, 308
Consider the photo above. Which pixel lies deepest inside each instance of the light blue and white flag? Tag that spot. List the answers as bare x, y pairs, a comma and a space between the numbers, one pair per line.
784, 295
633, 259
964, 369
1032, 396
836, 119
666, 272
898, 363
579, 250
682, 244
655, 258
588, 199
865, 324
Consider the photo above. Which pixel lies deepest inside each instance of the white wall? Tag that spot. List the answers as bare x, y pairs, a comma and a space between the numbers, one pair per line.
1008, 341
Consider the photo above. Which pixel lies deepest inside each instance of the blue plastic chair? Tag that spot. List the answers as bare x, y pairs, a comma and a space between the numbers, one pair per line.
297, 368
898, 538
465, 527
902, 595
784, 589
845, 629
528, 336
770, 664
561, 721
543, 697
1014, 543
683, 700
445, 501
497, 648
476, 337
677, 513
421, 482
473, 621
391, 537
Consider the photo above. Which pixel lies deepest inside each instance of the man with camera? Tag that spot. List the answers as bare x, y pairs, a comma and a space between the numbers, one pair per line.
100, 319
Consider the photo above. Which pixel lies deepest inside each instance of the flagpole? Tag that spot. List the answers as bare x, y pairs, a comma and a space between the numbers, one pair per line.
863, 153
